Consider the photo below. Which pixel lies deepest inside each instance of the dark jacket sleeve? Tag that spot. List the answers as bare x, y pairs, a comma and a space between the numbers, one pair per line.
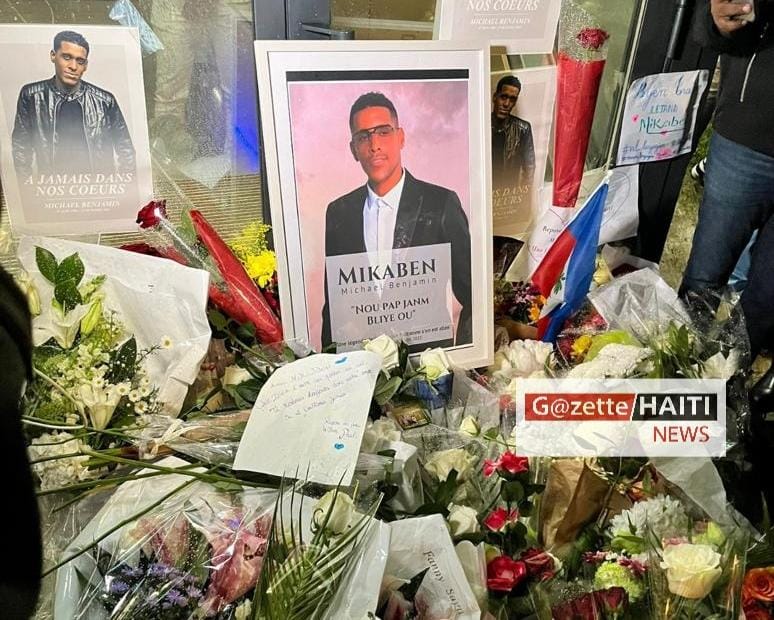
743, 42
122, 140
20, 573
456, 229
21, 138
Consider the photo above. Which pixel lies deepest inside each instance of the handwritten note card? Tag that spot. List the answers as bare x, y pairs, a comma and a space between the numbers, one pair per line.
660, 116
311, 415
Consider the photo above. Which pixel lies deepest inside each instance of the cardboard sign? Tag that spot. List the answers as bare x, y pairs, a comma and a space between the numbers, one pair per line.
660, 116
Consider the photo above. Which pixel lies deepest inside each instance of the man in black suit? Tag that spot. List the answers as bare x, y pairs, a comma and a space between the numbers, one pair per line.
394, 209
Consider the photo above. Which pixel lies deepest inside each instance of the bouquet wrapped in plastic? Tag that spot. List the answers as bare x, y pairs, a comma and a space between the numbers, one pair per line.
582, 56
185, 551
231, 288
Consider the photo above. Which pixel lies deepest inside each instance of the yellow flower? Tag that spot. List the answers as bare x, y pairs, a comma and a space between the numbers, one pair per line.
581, 346
261, 267
251, 241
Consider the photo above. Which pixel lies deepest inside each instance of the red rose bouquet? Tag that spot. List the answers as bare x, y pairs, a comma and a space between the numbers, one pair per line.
582, 55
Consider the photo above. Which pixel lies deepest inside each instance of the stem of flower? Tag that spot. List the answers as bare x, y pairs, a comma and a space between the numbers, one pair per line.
115, 528
66, 394
55, 427
91, 484
204, 477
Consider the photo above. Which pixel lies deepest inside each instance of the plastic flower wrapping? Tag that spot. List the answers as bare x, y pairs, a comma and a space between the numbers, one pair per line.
445, 517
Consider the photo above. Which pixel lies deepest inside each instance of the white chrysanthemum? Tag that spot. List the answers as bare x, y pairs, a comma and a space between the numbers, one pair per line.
166, 342
122, 389
145, 392
134, 395
58, 473
663, 515
140, 407
144, 381
98, 382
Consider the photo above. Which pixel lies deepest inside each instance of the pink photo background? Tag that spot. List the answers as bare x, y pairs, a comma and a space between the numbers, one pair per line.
434, 117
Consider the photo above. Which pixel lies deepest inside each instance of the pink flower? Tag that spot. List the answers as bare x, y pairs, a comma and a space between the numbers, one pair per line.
507, 463
490, 467
503, 574
499, 519
236, 561
592, 38
152, 213
168, 544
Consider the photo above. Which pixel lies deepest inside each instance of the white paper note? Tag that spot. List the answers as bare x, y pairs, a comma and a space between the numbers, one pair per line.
309, 418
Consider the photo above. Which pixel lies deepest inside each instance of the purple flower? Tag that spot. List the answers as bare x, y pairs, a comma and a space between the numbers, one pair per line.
118, 587
176, 598
158, 570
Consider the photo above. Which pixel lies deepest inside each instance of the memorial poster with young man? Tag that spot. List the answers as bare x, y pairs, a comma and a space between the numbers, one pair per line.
73, 128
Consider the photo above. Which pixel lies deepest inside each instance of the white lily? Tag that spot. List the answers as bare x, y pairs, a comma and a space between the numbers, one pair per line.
100, 403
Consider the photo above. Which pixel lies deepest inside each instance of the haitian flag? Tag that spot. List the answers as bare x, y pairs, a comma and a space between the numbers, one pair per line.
564, 275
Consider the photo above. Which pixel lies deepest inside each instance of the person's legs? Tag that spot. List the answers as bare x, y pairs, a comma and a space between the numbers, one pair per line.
758, 297
738, 187
739, 277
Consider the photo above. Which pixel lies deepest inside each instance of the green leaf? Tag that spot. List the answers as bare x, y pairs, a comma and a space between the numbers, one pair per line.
47, 264
446, 490
385, 390
67, 294
71, 268
217, 319
123, 362
513, 491
492, 433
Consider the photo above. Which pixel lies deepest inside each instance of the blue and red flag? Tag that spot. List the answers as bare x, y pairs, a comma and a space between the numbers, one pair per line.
564, 275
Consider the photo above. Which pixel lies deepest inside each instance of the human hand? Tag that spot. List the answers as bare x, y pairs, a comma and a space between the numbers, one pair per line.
728, 15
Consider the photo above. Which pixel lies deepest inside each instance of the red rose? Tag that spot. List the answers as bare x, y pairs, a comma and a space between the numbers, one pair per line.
586, 608
503, 574
592, 38
507, 463
539, 563
612, 600
514, 464
756, 611
563, 612
759, 585
152, 213
499, 519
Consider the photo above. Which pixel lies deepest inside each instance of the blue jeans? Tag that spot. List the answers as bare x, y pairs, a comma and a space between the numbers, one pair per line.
758, 296
738, 279
738, 200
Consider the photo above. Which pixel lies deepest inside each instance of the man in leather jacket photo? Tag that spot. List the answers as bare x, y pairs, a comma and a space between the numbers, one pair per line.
65, 125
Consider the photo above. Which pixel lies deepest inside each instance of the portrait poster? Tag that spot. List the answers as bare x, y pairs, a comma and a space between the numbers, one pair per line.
521, 26
521, 135
382, 225
75, 157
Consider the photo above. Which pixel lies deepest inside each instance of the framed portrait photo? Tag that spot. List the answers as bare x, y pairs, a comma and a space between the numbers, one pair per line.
74, 148
521, 26
522, 116
377, 156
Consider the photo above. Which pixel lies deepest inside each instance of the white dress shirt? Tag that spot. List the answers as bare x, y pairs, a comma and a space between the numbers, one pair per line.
379, 216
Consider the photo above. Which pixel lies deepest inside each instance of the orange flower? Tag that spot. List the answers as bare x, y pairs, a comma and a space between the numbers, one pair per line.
759, 584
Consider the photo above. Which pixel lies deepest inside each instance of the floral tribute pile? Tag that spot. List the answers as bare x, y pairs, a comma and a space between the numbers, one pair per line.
445, 518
